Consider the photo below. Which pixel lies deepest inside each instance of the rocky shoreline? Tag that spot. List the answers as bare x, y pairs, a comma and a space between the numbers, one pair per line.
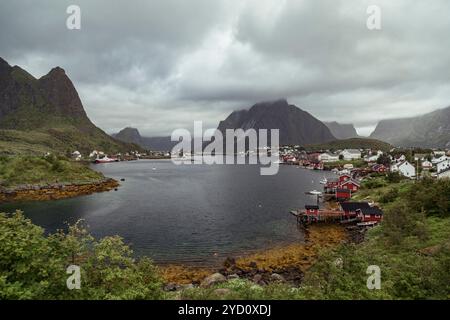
55, 191
286, 264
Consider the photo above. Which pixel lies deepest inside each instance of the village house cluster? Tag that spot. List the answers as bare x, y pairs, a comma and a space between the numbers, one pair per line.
435, 163
351, 167
101, 157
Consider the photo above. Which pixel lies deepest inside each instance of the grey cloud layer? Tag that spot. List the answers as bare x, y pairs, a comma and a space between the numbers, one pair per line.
159, 65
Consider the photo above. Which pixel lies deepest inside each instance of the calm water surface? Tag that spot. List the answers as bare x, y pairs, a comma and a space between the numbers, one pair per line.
195, 214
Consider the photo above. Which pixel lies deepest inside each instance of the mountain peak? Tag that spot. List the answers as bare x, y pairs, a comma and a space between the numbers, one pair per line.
56, 72
278, 103
61, 92
3, 63
129, 134
130, 130
296, 126
4, 66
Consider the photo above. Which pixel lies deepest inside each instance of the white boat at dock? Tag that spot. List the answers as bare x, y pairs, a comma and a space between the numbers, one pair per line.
314, 193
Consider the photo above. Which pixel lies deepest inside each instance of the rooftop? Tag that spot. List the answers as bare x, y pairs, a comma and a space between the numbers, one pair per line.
353, 206
371, 211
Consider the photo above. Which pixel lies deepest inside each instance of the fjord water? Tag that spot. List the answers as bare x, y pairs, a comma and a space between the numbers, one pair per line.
194, 214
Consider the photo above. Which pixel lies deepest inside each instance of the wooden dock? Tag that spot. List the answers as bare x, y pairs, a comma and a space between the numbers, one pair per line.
305, 217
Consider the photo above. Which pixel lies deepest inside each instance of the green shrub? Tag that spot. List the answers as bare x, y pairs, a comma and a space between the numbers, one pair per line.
374, 183
33, 265
389, 195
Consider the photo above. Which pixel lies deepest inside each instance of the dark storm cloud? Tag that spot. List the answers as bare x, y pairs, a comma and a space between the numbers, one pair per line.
159, 65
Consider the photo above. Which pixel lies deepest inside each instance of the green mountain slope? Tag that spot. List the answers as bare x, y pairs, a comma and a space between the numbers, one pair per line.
46, 114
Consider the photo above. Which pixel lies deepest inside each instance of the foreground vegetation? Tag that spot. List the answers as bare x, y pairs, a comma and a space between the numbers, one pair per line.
411, 247
50, 169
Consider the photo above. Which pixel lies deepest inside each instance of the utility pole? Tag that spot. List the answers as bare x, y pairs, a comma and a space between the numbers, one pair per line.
417, 166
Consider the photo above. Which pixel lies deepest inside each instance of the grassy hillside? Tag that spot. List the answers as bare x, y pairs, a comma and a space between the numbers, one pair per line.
16, 171
353, 143
59, 140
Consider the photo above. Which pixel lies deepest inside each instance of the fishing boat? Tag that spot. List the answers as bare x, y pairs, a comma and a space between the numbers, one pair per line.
323, 181
314, 193
105, 159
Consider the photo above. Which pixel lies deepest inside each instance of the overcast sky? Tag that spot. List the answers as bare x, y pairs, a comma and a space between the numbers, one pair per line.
159, 65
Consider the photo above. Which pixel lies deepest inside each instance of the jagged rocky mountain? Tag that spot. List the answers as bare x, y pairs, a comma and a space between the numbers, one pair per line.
342, 130
46, 114
297, 127
132, 135
431, 130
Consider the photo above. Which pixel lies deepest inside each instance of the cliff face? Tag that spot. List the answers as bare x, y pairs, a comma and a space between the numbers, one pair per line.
47, 113
342, 131
431, 130
59, 91
297, 127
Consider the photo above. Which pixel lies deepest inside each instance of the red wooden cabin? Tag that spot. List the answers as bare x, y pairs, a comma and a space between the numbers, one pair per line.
350, 208
371, 214
351, 184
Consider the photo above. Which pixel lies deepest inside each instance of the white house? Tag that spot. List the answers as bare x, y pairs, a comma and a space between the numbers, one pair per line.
400, 159
76, 155
373, 157
438, 159
351, 154
96, 153
426, 165
404, 168
444, 174
443, 165
438, 153
328, 157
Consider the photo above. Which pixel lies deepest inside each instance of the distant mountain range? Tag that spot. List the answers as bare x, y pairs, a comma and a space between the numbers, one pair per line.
431, 130
342, 131
46, 114
297, 127
132, 135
